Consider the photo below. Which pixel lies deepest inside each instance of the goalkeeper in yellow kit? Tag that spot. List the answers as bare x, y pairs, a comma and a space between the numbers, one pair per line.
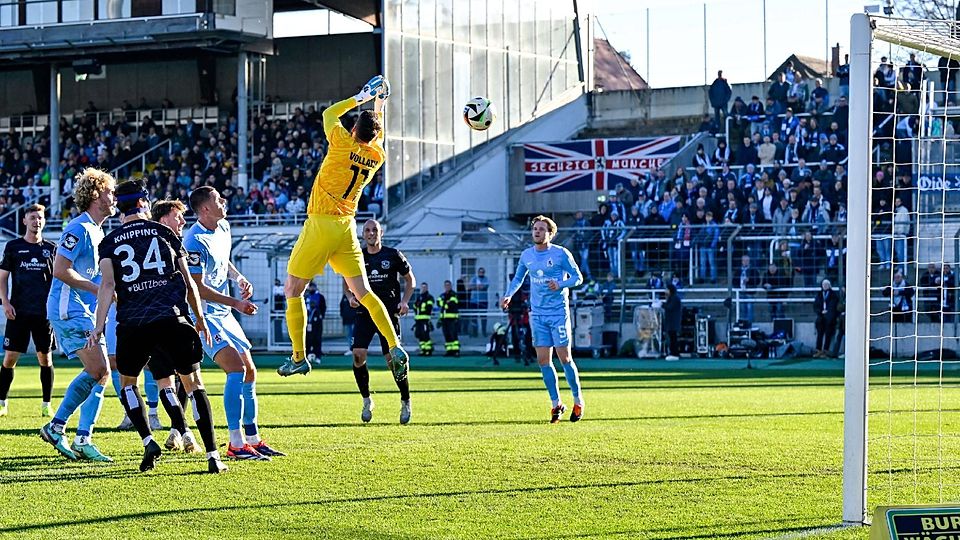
329, 235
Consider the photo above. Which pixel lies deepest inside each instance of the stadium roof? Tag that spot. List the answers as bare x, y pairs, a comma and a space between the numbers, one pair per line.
808, 66
611, 72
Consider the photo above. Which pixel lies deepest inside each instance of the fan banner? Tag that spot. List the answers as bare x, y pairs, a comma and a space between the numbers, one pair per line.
935, 182
593, 164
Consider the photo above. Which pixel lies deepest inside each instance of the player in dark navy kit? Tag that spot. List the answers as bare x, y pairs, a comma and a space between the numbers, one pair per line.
385, 267
144, 264
170, 212
29, 260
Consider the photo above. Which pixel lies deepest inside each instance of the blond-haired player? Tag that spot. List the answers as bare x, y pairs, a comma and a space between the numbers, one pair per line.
329, 235
552, 272
70, 309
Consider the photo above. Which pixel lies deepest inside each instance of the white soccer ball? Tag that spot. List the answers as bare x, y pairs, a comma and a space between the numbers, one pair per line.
478, 113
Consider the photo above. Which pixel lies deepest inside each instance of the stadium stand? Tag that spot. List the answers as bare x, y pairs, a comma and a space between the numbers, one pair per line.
773, 173
175, 157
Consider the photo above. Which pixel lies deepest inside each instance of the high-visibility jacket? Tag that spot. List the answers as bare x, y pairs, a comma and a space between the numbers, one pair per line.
449, 305
423, 307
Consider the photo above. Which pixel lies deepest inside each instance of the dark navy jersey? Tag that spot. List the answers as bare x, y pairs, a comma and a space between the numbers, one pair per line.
31, 267
384, 269
148, 280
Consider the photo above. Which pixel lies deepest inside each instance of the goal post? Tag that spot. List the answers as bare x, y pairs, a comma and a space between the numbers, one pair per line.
901, 417
856, 350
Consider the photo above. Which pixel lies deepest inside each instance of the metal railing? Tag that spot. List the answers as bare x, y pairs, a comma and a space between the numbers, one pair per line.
763, 119
206, 116
236, 220
760, 167
287, 110
57, 12
142, 158
9, 222
36, 124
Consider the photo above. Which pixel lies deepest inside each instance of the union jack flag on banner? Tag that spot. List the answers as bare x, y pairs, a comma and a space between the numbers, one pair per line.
593, 164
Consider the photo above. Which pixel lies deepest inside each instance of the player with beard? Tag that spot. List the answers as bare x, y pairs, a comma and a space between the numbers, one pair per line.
385, 266
208, 243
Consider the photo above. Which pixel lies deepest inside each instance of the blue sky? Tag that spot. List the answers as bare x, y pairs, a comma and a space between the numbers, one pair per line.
734, 35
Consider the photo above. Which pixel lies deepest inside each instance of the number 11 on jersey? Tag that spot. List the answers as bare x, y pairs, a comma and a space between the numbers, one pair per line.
357, 172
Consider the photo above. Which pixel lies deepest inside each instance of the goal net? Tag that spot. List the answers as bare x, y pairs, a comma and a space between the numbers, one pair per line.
902, 397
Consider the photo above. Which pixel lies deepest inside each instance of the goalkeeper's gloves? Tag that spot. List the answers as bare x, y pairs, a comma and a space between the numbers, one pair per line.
377, 86
384, 89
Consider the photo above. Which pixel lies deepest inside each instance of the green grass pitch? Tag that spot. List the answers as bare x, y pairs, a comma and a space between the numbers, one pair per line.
660, 454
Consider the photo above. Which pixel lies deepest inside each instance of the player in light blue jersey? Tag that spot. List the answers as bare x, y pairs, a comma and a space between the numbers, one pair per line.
70, 308
552, 271
208, 244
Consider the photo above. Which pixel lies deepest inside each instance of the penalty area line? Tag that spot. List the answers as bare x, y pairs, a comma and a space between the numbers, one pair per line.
810, 532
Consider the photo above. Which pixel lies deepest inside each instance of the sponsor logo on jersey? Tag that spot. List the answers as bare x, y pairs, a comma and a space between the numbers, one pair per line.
69, 242
33, 264
193, 258
385, 265
148, 284
540, 273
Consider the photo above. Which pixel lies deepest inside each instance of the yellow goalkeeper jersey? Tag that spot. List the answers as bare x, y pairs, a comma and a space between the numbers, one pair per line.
346, 169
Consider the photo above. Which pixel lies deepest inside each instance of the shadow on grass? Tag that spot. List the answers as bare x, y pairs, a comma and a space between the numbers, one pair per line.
50, 470
267, 389
544, 422
179, 512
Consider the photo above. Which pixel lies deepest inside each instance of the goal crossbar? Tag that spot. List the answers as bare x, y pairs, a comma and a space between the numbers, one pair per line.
935, 37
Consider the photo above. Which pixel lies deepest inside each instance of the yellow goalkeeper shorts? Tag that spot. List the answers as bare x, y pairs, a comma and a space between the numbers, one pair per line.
326, 239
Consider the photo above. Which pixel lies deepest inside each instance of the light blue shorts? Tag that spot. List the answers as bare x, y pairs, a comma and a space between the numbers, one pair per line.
551, 330
110, 332
225, 332
72, 334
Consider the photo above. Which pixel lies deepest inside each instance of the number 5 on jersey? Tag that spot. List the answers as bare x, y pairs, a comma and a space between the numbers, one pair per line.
357, 172
152, 261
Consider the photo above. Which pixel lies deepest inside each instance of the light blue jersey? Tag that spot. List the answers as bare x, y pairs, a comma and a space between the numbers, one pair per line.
208, 253
78, 243
553, 263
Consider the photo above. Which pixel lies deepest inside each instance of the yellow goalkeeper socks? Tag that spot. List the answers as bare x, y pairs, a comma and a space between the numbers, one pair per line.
378, 312
297, 326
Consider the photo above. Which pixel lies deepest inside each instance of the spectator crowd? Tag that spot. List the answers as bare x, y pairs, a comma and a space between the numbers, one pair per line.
285, 157
781, 182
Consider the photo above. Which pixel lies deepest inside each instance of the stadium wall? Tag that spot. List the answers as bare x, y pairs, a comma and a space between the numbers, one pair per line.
626, 107
14, 97
311, 68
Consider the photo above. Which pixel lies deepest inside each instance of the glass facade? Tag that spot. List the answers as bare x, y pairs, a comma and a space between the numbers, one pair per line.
441, 53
